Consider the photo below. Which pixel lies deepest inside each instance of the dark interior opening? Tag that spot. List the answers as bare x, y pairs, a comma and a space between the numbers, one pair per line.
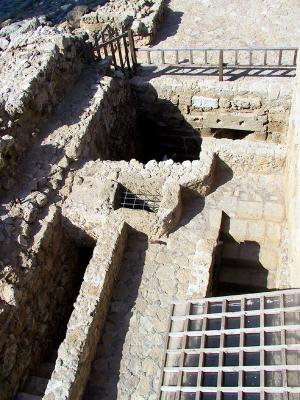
237, 268
233, 134
84, 255
167, 138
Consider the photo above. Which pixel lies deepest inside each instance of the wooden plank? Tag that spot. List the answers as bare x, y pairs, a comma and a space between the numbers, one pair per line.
97, 46
132, 49
119, 49
126, 53
191, 57
221, 62
162, 55
113, 56
104, 45
265, 57
236, 57
295, 57
280, 58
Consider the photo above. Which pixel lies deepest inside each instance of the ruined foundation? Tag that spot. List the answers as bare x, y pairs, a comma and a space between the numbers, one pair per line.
121, 197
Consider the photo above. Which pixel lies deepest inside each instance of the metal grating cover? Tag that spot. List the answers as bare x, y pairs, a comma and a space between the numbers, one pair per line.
234, 348
140, 201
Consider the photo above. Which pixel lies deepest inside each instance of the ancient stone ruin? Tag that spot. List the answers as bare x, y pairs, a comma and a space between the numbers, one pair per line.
150, 214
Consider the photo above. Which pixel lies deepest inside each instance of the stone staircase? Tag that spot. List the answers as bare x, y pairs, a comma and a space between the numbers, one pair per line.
35, 386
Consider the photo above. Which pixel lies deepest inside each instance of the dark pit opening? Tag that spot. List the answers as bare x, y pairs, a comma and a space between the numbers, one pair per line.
237, 268
164, 133
233, 134
84, 255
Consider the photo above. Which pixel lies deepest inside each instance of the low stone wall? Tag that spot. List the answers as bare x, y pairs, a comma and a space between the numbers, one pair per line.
87, 210
292, 187
36, 68
34, 301
241, 156
77, 351
141, 16
35, 252
181, 110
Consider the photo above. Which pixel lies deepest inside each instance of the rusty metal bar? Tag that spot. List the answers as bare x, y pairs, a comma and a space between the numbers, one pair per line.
162, 54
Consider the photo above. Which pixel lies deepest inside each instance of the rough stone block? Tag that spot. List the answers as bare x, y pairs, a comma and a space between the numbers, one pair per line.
235, 120
185, 100
241, 102
205, 102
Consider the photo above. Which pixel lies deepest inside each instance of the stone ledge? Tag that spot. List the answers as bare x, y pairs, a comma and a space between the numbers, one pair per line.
77, 351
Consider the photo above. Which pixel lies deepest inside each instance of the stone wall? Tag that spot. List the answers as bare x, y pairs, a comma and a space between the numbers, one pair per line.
36, 69
292, 187
34, 301
77, 351
141, 16
241, 156
88, 209
178, 112
29, 281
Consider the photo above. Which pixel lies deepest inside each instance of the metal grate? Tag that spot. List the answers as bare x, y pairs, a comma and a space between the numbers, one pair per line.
140, 201
234, 348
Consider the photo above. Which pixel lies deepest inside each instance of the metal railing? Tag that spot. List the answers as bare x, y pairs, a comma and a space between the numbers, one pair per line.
224, 57
119, 46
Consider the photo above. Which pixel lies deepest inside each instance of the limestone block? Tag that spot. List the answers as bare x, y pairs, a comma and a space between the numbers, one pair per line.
204, 102
238, 229
185, 100
273, 233
256, 230
250, 209
224, 102
241, 102
274, 211
235, 120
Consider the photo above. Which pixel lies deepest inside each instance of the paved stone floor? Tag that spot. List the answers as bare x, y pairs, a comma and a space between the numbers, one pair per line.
129, 355
230, 23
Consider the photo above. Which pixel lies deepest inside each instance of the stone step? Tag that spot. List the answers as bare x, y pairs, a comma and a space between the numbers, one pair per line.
36, 385
27, 396
45, 370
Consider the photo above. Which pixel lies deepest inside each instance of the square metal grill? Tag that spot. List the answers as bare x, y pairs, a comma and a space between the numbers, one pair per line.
140, 201
234, 348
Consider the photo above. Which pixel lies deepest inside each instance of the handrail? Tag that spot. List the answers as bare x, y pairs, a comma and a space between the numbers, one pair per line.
215, 48
120, 48
222, 50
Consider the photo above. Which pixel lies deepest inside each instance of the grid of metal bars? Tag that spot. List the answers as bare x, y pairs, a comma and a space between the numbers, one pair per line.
234, 348
140, 201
